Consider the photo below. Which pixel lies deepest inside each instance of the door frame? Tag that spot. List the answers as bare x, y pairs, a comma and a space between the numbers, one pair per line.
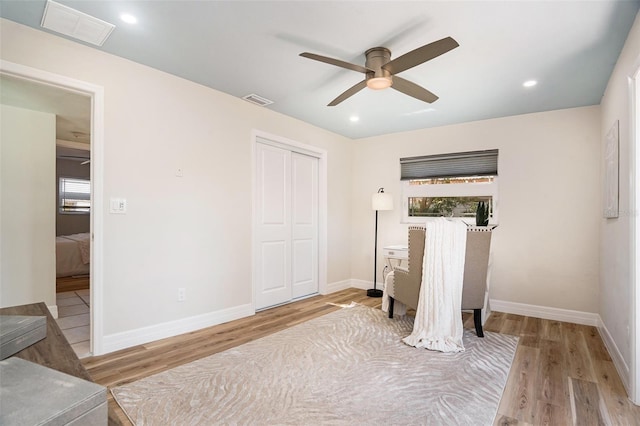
634, 204
96, 93
258, 136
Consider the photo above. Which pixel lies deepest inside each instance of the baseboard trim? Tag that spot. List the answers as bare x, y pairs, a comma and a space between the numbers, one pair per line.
351, 283
337, 286
361, 284
139, 336
545, 312
364, 284
618, 361
54, 311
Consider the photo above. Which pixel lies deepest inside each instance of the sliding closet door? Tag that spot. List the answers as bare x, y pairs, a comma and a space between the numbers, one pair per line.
304, 240
273, 226
286, 227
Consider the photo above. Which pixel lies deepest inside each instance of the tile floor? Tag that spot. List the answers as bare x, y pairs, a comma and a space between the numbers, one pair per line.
73, 320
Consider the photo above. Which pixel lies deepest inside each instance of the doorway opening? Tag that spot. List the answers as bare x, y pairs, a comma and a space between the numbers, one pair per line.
62, 88
73, 225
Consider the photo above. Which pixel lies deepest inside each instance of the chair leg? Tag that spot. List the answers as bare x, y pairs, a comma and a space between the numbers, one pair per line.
477, 320
391, 301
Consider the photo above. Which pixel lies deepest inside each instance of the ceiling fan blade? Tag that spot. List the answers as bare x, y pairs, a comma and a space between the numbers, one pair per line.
349, 92
420, 55
412, 89
336, 62
71, 157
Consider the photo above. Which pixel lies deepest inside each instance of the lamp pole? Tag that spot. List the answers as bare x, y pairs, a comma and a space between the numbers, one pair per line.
375, 292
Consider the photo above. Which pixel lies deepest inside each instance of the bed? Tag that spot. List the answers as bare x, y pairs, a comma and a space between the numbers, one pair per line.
72, 255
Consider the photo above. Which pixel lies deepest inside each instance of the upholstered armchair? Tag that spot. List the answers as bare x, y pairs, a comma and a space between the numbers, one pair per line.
406, 282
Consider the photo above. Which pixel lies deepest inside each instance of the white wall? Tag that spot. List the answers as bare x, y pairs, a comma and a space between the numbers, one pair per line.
195, 231
545, 250
27, 221
615, 271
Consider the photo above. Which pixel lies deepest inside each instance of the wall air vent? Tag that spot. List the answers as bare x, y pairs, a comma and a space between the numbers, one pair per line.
258, 100
73, 23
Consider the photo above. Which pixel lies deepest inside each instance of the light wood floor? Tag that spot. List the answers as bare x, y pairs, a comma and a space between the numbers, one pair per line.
561, 375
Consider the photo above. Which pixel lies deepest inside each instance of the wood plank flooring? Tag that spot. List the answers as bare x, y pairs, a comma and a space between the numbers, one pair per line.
64, 284
561, 374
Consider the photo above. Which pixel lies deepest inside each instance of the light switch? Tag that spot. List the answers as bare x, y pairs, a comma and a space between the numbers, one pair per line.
118, 206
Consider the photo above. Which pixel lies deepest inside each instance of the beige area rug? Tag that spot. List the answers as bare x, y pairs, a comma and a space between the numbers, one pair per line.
348, 367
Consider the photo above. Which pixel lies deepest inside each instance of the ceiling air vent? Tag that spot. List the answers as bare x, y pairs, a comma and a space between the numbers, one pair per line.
73, 23
258, 100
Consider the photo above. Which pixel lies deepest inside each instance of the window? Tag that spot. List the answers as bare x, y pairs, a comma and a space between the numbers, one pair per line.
449, 185
74, 196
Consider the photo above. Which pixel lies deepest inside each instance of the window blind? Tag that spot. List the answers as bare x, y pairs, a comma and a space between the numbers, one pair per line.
75, 195
459, 164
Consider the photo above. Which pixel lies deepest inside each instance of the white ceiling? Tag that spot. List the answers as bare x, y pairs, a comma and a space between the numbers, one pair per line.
242, 47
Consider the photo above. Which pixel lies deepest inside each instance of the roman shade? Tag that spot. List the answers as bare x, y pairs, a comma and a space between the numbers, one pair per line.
459, 164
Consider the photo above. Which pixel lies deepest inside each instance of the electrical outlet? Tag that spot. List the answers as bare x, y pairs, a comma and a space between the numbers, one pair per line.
182, 294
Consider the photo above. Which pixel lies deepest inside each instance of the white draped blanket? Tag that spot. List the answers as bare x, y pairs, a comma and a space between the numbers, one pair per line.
438, 323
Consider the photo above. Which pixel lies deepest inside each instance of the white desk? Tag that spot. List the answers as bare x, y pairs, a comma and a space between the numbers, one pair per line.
397, 253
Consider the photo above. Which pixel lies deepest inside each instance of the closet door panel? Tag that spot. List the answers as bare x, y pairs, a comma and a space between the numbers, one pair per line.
304, 188
273, 226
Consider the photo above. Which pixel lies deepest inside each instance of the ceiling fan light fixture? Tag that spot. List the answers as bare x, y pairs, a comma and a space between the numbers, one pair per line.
381, 71
379, 83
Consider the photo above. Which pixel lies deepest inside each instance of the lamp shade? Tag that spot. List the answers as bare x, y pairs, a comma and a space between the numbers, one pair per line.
381, 201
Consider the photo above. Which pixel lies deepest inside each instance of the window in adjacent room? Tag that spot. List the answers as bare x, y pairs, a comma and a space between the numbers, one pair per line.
449, 185
74, 196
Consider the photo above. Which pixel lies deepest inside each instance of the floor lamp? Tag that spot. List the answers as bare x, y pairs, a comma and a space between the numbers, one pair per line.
379, 201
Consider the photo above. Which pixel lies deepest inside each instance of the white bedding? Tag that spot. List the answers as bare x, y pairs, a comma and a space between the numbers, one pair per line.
72, 255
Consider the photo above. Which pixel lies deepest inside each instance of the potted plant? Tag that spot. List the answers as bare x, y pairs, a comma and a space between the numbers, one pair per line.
482, 214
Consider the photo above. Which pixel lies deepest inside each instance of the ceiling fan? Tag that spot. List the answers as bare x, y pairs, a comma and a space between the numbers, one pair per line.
84, 160
380, 70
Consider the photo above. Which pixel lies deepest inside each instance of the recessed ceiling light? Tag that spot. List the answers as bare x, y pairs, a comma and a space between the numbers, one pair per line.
128, 18
354, 118
420, 111
529, 83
